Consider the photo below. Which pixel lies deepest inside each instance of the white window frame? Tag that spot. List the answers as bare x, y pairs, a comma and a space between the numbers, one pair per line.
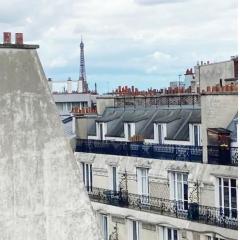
143, 183
104, 226
87, 176
179, 179
131, 230
221, 197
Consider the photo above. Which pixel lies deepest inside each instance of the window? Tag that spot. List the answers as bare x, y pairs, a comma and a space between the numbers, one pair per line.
196, 135
87, 175
104, 226
135, 230
172, 234
214, 238
143, 187
114, 179
228, 197
179, 189
101, 131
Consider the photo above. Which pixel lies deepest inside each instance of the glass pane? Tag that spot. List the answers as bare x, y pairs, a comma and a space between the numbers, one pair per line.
226, 182
90, 177
196, 143
185, 177
185, 192
175, 235
169, 234
134, 230
226, 196
87, 176
220, 196
179, 191
160, 134
179, 177
233, 182
114, 172
83, 171
233, 198
220, 181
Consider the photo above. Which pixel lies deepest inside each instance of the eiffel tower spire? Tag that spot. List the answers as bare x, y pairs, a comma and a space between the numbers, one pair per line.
82, 73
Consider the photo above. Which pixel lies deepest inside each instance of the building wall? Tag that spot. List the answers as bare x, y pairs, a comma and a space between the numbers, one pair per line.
218, 110
210, 74
154, 227
204, 174
103, 102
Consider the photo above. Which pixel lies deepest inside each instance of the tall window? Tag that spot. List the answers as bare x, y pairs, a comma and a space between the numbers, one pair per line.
135, 230
104, 226
179, 189
228, 197
143, 185
87, 175
114, 179
172, 234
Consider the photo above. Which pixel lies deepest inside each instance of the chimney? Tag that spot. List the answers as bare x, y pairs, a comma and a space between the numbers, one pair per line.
50, 84
6, 38
69, 85
19, 38
79, 85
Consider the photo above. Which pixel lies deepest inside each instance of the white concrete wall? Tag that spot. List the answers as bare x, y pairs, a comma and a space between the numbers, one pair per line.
218, 110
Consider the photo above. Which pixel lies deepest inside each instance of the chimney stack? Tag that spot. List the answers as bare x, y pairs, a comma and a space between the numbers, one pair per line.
69, 85
19, 38
7, 38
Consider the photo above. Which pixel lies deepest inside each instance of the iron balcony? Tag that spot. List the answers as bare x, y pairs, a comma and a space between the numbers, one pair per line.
190, 211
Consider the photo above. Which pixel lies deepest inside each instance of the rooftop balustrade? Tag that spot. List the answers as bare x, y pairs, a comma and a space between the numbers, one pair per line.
155, 151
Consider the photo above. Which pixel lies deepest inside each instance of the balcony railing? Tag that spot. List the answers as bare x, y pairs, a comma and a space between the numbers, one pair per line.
156, 151
223, 155
190, 211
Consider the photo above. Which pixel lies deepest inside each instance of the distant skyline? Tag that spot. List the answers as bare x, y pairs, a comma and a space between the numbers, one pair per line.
146, 43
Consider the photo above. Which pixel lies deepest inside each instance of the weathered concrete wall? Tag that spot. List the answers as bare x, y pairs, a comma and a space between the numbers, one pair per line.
210, 74
42, 195
103, 102
218, 110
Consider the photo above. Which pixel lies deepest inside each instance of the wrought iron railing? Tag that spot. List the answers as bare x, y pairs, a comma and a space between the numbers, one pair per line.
223, 155
156, 151
190, 211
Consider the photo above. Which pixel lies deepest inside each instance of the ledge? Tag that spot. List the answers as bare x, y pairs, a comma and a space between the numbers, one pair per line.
19, 46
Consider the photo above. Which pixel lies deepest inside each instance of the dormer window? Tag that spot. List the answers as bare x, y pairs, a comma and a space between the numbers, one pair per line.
129, 130
160, 133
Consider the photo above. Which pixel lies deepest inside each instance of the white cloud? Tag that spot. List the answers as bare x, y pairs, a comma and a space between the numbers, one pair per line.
125, 37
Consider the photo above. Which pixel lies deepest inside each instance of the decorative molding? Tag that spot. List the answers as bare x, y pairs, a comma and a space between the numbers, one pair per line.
118, 219
144, 163
148, 226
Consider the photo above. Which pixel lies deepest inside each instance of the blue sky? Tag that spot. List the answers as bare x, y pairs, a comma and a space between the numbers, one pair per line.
146, 43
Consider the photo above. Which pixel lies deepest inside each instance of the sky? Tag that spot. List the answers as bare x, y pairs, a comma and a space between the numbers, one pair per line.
145, 43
